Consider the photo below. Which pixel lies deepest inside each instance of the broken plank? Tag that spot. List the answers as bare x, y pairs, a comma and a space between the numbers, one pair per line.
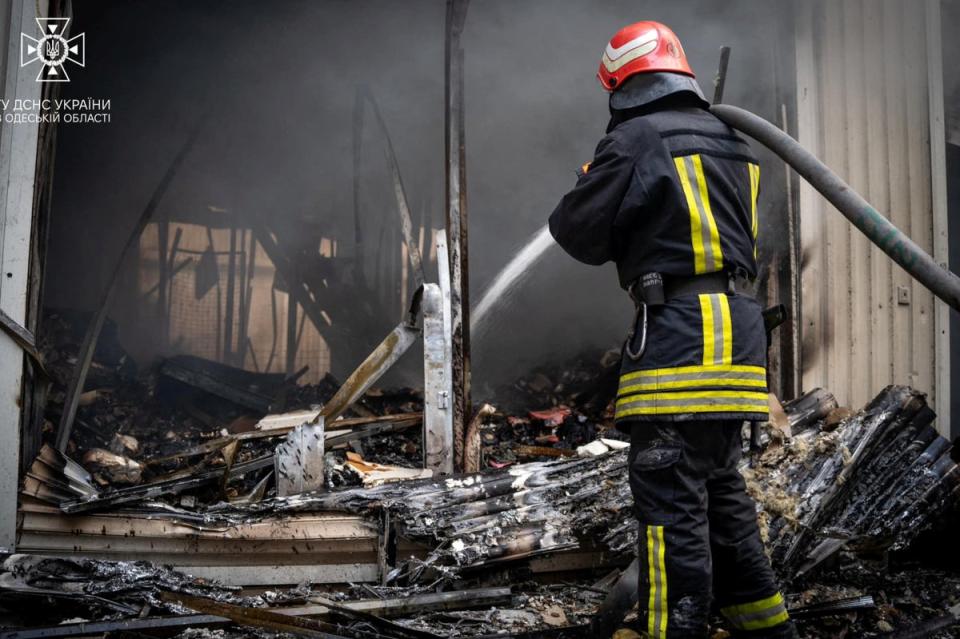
91, 628
340, 424
380, 429
214, 386
418, 604
257, 618
385, 355
395, 630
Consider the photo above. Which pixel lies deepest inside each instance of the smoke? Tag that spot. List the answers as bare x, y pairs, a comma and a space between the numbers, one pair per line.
276, 83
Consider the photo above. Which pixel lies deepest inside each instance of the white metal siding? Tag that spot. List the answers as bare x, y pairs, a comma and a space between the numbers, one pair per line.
863, 108
18, 154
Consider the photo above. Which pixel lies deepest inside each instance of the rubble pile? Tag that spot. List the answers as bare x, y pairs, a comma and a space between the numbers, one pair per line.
171, 434
473, 520
587, 382
552, 411
190, 433
840, 497
102, 588
872, 482
131, 596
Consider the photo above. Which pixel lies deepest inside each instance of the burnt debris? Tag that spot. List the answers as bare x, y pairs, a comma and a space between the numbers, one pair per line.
842, 499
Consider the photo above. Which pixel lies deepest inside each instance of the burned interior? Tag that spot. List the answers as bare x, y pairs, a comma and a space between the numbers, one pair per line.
292, 350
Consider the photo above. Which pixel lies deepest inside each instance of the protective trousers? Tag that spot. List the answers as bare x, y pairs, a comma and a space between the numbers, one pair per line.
699, 538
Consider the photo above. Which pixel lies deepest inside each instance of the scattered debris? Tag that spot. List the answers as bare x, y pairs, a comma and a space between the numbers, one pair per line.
840, 494
111, 468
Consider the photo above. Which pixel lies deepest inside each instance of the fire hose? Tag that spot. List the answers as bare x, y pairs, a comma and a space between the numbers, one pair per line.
878, 229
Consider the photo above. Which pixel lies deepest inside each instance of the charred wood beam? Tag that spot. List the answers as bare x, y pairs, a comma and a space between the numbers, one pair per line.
298, 289
456, 196
396, 343
255, 617
359, 250
419, 604
94, 600
385, 608
274, 621
368, 618
403, 208
228, 349
216, 386
808, 409
370, 426
174, 270
378, 429
570, 632
89, 344
93, 628
246, 299
339, 424
293, 343
385, 355
471, 440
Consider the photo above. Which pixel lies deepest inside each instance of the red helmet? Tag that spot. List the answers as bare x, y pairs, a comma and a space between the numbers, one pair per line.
642, 47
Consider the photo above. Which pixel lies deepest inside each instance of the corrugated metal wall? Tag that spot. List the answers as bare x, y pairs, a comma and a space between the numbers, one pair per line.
863, 108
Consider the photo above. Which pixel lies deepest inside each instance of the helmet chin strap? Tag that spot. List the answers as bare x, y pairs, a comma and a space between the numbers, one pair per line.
644, 88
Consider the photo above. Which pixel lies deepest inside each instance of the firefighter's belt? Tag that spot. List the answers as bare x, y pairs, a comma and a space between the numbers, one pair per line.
679, 286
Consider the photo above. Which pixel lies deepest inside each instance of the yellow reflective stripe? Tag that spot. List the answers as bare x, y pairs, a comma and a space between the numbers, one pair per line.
757, 614
696, 408
706, 394
727, 354
754, 170
657, 580
696, 229
758, 401
663, 582
772, 601
693, 383
717, 330
651, 582
666, 409
708, 213
709, 343
766, 622
682, 370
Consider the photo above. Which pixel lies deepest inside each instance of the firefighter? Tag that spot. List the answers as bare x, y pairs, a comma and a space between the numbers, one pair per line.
671, 197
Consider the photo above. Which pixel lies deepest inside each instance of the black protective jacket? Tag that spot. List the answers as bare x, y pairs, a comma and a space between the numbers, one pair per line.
674, 191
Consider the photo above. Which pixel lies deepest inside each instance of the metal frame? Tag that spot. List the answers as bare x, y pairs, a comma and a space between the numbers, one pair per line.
18, 158
938, 185
438, 370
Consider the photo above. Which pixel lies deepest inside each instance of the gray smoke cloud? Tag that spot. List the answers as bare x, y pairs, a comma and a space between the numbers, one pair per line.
276, 82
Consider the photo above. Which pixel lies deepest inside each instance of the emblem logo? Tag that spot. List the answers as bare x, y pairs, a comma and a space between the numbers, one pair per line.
52, 49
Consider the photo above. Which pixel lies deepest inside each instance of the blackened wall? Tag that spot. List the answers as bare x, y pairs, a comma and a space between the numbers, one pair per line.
277, 80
